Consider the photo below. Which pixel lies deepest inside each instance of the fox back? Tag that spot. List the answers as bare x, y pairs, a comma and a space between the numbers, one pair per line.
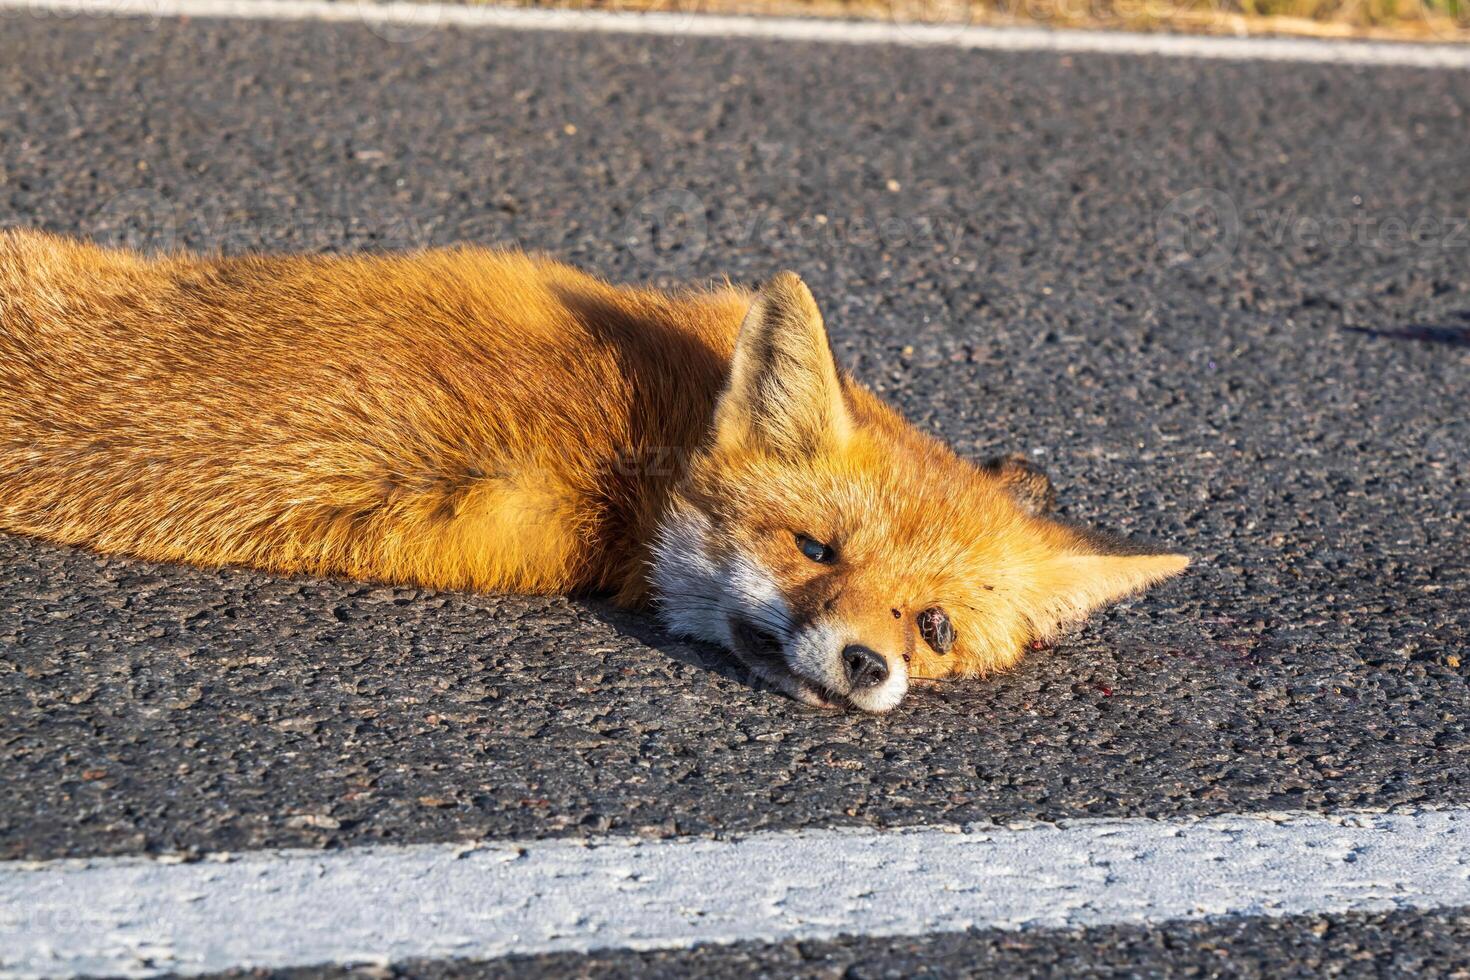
488, 420
458, 419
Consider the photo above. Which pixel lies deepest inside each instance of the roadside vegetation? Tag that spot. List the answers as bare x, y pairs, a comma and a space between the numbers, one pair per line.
1421, 20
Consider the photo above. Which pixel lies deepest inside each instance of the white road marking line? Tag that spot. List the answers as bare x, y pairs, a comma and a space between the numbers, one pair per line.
411, 21
139, 916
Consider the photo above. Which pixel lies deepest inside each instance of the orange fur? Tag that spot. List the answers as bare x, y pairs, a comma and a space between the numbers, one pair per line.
460, 419
477, 419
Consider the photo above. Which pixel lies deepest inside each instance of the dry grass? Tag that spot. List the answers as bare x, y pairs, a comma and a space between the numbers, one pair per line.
1416, 20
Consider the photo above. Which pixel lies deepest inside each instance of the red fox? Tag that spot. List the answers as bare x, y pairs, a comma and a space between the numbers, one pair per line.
476, 419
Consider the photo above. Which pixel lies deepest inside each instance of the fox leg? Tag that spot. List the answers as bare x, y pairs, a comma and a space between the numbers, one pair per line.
504, 534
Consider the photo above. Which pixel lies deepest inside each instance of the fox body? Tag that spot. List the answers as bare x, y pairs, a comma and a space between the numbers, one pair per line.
489, 420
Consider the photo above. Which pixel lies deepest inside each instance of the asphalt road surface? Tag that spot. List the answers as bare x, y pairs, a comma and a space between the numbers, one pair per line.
1225, 305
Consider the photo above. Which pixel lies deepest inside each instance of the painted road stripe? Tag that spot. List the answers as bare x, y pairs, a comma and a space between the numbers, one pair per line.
413, 21
385, 904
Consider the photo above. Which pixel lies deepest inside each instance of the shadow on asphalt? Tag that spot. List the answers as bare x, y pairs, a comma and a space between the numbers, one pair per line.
645, 628
1454, 336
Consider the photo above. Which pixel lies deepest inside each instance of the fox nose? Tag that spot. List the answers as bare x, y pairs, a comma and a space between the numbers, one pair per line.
865, 668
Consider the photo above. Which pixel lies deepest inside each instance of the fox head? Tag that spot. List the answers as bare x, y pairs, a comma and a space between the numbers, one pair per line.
839, 552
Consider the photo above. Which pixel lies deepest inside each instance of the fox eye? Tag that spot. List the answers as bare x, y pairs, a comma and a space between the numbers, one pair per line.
818, 552
936, 629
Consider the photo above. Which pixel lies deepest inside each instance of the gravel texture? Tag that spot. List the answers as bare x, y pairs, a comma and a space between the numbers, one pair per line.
1001, 247
1389, 945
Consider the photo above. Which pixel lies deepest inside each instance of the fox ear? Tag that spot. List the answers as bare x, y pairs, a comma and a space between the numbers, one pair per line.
1090, 570
784, 394
1026, 482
